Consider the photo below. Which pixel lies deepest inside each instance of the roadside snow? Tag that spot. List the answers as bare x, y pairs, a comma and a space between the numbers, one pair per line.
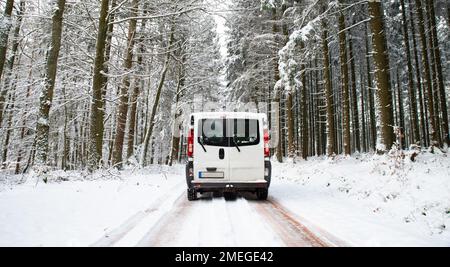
74, 211
370, 200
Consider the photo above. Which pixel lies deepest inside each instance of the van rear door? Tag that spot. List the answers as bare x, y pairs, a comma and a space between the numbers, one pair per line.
211, 157
246, 154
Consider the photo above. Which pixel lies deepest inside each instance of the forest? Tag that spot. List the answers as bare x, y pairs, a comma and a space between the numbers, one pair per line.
96, 84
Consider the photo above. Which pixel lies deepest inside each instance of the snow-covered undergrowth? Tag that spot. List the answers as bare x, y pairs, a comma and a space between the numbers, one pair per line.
371, 199
75, 208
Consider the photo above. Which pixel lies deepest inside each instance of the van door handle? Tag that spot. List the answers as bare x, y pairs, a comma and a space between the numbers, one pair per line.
211, 169
221, 153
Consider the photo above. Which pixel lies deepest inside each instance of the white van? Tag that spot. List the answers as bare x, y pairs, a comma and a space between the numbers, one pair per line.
228, 152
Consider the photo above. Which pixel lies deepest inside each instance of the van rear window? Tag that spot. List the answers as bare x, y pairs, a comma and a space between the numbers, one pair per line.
228, 132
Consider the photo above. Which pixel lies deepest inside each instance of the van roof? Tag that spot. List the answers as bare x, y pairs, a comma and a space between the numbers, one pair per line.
246, 115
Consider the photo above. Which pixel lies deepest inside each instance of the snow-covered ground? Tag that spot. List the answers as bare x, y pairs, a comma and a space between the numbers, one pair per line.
364, 200
79, 211
371, 200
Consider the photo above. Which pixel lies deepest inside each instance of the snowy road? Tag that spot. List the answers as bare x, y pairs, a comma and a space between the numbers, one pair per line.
340, 202
214, 221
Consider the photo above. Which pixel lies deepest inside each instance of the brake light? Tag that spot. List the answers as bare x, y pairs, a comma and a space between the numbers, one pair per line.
190, 145
266, 143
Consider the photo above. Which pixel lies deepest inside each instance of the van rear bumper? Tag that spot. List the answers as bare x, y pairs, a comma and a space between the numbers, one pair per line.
230, 186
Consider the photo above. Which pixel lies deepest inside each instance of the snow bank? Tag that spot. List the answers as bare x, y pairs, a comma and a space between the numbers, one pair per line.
371, 200
76, 209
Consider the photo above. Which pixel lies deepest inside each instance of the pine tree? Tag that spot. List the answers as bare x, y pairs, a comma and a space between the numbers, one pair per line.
382, 79
331, 135
344, 82
415, 134
434, 134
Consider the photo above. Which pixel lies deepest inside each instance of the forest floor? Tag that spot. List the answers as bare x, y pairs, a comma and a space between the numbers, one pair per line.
363, 200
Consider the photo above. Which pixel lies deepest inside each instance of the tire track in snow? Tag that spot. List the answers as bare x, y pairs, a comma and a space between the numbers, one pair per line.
112, 237
295, 231
243, 222
327, 238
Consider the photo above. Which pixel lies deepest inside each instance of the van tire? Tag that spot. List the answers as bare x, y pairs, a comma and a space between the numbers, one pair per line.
262, 194
229, 195
192, 194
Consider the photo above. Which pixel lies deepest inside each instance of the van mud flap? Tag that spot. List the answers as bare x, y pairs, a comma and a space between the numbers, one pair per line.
189, 173
267, 172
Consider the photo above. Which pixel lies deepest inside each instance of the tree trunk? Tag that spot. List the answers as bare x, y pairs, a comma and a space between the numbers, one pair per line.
135, 94
427, 76
8, 131
122, 108
423, 124
400, 111
290, 116
415, 135
304, 109
331, 135
434, 77
180, 86
277, 91
382, 79
98, 83
4, 33
45, 101
370, 92
355, 113
344, 83
438, 68
162, 79
363, 114
11, 62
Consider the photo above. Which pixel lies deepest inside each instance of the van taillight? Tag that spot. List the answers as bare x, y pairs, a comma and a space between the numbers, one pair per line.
266, 143
190, 146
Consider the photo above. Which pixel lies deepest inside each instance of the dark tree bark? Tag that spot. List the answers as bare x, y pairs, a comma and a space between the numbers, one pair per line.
382, 79
434, 134
401, 114
370, 92
277, 91
11, 61
4, 34
98, 84
438, 69
423, 123
344, 83
304, 110
414, 120
122, 109
135, 94
331, 132
363, 115
45, 101
355, 113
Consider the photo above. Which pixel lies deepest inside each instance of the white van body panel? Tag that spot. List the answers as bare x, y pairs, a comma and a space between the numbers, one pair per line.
246, 166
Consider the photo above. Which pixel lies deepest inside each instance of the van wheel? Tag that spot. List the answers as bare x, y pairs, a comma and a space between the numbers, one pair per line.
229, 195
262, 194
192, 194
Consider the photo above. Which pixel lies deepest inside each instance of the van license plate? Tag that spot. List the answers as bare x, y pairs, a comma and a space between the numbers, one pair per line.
210, 174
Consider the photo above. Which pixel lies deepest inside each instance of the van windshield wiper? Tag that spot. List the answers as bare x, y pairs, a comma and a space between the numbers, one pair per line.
200, 140
235, 144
